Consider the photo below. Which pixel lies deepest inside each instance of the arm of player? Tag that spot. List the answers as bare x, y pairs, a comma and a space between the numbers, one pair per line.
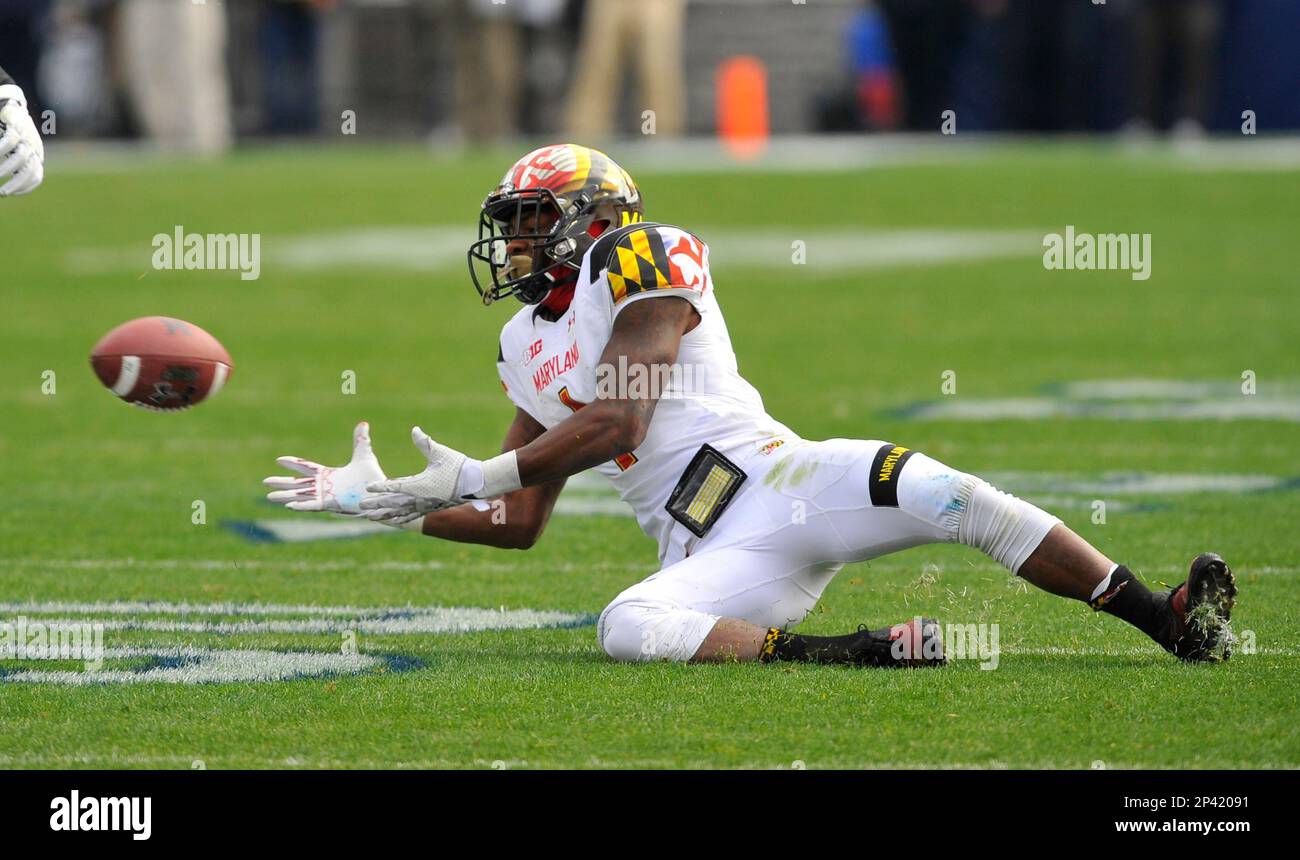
648, 332
22, 152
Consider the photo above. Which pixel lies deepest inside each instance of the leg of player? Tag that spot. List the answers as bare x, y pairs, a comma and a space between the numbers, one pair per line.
732, 639
1190, 620
1063, 564
734, 604
876, 499
1066, 565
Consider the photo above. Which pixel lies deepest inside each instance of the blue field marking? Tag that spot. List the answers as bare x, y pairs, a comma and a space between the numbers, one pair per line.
305, 528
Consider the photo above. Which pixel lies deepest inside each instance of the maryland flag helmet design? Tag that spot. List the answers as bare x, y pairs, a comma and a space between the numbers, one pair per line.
537, 225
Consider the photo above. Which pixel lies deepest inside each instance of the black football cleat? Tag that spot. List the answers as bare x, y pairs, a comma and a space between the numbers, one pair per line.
913, 644
1196, 615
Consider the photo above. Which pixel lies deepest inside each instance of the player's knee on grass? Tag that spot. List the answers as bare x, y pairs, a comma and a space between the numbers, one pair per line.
639, 629
971, 511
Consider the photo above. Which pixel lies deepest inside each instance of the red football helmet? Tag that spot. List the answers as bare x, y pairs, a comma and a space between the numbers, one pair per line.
554, 202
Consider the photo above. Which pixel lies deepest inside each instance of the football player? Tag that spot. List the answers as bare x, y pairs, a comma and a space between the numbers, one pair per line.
22, 152
618, 359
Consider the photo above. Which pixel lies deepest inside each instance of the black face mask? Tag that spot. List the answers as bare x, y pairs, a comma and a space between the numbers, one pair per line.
529, 275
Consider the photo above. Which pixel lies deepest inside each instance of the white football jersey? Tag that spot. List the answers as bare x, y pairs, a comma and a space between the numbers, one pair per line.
550, 370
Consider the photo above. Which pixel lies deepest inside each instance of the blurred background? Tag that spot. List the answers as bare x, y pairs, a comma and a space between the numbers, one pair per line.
201, 76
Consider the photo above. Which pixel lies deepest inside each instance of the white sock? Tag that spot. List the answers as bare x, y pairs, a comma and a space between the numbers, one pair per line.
1104, 584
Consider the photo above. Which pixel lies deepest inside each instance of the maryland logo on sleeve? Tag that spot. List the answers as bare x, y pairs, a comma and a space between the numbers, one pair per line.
884, 474
654, 257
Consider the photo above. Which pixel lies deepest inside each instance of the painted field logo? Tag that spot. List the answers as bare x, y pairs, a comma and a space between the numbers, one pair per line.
131, 814
217, 251
1088, 251
24, 639
194, 664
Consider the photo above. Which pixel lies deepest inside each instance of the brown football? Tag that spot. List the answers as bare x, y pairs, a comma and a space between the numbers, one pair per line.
161, 363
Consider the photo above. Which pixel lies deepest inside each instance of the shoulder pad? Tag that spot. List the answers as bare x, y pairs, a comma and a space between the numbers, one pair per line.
649, 256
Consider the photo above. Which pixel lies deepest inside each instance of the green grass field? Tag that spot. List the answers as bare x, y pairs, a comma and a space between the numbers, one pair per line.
98, 497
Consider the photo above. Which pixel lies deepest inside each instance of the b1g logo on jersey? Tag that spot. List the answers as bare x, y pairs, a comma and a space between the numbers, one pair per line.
533, 350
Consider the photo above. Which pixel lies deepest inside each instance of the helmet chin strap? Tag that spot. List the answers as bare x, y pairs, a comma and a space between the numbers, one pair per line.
557, 301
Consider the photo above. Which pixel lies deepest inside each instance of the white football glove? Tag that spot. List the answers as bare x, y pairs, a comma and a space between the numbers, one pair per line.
399, 509
436, 484
339, 489
22, 152
450, 479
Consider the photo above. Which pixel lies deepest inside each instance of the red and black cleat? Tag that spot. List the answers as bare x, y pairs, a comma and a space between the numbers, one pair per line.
1195, 615
914, 643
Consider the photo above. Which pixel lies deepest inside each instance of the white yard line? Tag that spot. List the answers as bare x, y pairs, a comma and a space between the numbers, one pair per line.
1133, 483
129, 563
358, 566
213, 618
436, 248
1142, 388
1240, 408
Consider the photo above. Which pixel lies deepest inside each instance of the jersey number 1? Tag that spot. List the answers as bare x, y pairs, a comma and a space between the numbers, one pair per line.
623, 461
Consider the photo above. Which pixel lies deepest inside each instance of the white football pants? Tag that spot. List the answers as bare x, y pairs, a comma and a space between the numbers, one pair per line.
801, 515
